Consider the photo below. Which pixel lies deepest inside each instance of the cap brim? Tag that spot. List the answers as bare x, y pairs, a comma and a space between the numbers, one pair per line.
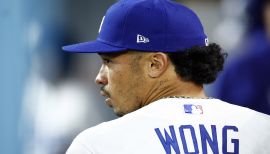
92, 47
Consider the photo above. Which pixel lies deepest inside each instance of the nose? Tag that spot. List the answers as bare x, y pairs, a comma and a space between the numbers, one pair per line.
101, 77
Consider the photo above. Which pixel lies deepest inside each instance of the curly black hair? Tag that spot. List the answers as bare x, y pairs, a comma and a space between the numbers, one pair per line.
199, 65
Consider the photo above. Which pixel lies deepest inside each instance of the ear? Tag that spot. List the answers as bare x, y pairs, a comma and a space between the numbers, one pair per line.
158, 64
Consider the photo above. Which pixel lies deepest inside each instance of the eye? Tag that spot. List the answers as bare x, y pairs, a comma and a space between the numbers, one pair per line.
106, 61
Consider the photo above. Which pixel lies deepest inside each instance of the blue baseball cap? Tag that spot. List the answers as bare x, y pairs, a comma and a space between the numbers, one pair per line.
145, 25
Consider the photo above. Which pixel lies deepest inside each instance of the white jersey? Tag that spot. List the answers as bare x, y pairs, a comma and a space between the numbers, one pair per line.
179, 125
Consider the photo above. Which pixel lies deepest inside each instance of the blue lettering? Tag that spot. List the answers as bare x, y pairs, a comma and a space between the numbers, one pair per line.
205, 138
169, 140
182, 135
234, 141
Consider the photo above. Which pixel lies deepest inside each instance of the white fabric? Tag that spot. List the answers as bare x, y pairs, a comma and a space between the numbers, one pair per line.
135, 132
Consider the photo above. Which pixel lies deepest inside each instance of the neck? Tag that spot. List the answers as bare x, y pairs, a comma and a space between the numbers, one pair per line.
167, 88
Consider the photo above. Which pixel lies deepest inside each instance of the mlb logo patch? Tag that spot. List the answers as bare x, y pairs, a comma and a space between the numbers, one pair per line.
193, 109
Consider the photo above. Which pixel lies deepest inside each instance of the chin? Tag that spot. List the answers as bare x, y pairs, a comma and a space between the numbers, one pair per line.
119, 113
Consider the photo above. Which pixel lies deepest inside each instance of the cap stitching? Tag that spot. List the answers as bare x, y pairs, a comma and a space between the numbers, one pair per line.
126, 17
165, 25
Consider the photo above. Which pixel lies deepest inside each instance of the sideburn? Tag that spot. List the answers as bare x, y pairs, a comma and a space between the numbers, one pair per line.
135, 62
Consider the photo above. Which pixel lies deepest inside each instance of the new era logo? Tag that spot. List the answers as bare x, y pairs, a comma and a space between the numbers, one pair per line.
142, 39
193, 109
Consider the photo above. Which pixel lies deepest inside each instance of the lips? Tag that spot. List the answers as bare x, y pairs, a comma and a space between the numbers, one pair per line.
103, 93
107, 100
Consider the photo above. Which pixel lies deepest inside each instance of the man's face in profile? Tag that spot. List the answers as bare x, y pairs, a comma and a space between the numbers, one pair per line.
122, 81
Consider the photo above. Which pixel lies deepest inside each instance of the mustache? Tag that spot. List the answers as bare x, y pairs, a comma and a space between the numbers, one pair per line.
104, 91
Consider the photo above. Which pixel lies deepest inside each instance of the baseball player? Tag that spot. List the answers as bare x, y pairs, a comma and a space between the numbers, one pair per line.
156, 59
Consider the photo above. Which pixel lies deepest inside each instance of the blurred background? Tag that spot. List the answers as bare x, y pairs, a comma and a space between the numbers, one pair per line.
47, 96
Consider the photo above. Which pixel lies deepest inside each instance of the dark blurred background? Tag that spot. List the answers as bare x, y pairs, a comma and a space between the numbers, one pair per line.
48, 96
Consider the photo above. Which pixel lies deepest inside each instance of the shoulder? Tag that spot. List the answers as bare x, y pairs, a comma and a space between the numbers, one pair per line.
239, 112
139, 124
86, 141
79, 145
106, 134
